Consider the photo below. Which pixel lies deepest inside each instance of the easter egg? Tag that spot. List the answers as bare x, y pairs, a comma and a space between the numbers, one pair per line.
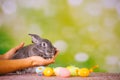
83, 72
48, 71
62, 72
39, 70
73, 70
57, 70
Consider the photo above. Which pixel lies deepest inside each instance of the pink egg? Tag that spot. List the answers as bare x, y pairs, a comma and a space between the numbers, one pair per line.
62, 72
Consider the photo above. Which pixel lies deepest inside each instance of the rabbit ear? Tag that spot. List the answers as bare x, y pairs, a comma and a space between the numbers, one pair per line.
35, 38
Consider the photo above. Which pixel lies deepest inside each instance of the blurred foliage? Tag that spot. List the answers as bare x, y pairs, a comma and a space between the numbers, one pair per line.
88, 27
6, 40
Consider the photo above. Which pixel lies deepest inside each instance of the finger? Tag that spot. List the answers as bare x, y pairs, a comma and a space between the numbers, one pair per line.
56, 54
49, 61
19, 46
52, 60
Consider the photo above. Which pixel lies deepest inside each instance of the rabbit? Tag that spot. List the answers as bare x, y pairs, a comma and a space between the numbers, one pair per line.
40, 47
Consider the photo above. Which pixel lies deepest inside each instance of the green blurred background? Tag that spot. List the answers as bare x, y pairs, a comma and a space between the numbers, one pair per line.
86, 32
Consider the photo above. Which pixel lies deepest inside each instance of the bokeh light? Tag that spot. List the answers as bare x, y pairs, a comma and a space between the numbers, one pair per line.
9, 7
111, 60
61, 45
75, 2
81, 57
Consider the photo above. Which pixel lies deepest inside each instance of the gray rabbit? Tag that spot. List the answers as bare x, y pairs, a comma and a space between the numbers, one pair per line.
40, 47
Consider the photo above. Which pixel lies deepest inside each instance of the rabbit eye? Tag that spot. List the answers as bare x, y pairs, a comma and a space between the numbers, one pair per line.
44, 44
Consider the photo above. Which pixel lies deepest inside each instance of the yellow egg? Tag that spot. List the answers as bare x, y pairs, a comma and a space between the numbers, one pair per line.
48, 71
83, 72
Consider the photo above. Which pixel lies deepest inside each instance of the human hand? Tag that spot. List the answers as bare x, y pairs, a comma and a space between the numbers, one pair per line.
39, 61
12, 51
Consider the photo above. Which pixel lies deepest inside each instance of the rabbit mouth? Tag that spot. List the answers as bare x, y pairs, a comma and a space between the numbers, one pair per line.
48, 55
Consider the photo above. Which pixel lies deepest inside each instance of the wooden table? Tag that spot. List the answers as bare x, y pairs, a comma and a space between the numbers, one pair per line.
93, 76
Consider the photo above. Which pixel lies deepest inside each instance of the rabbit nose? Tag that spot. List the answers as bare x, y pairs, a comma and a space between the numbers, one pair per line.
49, 53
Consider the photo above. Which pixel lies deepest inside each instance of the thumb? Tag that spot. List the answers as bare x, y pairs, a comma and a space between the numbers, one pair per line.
19, 46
